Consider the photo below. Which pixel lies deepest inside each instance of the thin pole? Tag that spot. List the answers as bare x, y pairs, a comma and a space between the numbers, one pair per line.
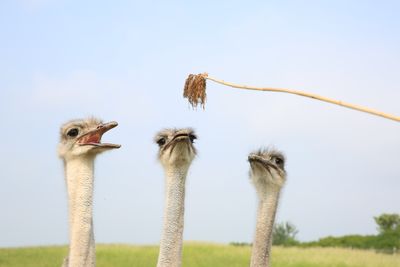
313, 96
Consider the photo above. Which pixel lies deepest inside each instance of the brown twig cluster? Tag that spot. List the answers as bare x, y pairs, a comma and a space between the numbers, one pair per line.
195, 89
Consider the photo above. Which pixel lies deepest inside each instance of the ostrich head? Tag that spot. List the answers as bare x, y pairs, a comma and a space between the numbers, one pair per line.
83, 137
176, 147
267, 169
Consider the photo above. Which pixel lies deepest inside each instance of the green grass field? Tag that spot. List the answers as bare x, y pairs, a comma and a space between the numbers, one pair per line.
201, 255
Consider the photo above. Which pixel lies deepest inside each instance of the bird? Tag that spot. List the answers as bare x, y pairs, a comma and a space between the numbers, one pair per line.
268, 175
80, 143
176, 153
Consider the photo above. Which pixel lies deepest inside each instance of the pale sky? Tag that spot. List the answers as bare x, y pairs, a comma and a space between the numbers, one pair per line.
127, 61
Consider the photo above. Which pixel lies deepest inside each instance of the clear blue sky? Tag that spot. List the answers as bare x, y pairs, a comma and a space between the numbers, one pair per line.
127, 61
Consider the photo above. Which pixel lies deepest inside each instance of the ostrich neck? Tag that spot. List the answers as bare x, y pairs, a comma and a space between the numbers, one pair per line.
267, 207
171, 240
79, 179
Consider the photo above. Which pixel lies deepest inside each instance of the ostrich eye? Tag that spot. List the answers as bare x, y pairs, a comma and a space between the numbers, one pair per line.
161, 141
192, 137
73, 132
278, 161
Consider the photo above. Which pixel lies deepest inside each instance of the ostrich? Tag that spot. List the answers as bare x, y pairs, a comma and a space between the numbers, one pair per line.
176, 152
80, 142
267, 172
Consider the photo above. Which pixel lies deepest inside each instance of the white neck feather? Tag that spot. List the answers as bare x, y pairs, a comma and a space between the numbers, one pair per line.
171, 240
267, 207
80, 179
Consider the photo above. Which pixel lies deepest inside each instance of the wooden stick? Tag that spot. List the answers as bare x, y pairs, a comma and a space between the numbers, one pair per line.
313, 96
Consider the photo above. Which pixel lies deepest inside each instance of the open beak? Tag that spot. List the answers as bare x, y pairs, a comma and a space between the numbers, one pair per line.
93, 138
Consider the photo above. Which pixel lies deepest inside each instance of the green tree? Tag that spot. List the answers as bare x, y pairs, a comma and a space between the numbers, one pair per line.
388, 223
389, 231
284, 234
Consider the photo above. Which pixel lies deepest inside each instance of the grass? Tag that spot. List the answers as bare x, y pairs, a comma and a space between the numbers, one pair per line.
201, 255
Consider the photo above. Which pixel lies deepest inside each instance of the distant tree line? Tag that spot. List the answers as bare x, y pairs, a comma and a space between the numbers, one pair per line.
387, 239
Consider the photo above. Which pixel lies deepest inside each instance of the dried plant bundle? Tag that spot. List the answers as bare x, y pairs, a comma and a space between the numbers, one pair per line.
195, 92
195, 89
